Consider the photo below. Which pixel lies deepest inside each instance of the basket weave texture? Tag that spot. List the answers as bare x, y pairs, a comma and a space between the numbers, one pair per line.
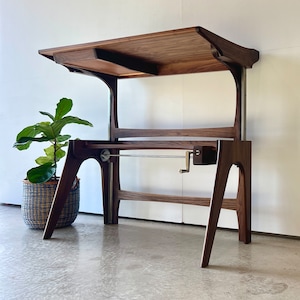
37, 200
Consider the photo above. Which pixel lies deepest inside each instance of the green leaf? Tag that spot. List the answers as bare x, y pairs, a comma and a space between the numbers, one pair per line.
63, 107
47, 130
59, 124
47, 114
59, 152
49, 158
49, 151
44, 160
25, 137
61, 145
41, 173
62, 138
22, 146
28, 131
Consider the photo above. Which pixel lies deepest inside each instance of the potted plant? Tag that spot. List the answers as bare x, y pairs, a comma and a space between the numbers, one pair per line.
41, 181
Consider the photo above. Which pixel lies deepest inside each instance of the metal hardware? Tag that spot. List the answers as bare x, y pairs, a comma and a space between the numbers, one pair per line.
105, 155
187, 162
202, 155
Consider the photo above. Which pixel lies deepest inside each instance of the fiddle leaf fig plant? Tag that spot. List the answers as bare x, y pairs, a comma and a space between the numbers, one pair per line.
49, 131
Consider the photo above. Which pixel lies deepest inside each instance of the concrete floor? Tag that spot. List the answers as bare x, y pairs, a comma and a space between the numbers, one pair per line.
141, 260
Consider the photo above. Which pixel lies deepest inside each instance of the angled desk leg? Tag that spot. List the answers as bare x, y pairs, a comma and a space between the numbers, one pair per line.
238, 153
77, 153
69, 173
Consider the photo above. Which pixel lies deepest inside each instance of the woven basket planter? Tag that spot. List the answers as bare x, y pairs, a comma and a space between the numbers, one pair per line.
37, 200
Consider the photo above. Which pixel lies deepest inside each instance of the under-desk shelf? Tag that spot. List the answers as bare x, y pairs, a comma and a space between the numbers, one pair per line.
181, 51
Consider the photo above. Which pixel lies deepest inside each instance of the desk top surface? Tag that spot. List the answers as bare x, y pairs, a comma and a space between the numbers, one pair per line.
181, 51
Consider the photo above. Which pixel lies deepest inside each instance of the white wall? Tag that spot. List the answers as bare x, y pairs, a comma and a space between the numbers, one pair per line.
29, 83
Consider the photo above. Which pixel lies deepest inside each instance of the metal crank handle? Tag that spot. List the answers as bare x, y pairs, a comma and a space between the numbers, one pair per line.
187, 162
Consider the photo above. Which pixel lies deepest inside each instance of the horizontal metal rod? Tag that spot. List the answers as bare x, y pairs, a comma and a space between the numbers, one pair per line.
148, 155
105, 155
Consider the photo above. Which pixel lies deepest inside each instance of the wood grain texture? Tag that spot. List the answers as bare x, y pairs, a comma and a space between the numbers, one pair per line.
225, 132
142, 145
229, 203
181, 51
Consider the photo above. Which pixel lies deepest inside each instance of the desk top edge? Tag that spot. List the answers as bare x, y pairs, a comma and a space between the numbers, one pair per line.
204, 49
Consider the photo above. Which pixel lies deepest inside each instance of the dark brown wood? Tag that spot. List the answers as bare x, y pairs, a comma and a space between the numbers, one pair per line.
225, 132
183, 51
128, 61
64, 186
237, 75
202, 201
244, 195
230, 153
142, 145
229, 52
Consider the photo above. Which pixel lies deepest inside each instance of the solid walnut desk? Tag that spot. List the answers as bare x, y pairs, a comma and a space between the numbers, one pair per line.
183, 51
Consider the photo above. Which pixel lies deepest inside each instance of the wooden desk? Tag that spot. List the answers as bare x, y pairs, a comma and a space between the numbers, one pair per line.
182, 51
